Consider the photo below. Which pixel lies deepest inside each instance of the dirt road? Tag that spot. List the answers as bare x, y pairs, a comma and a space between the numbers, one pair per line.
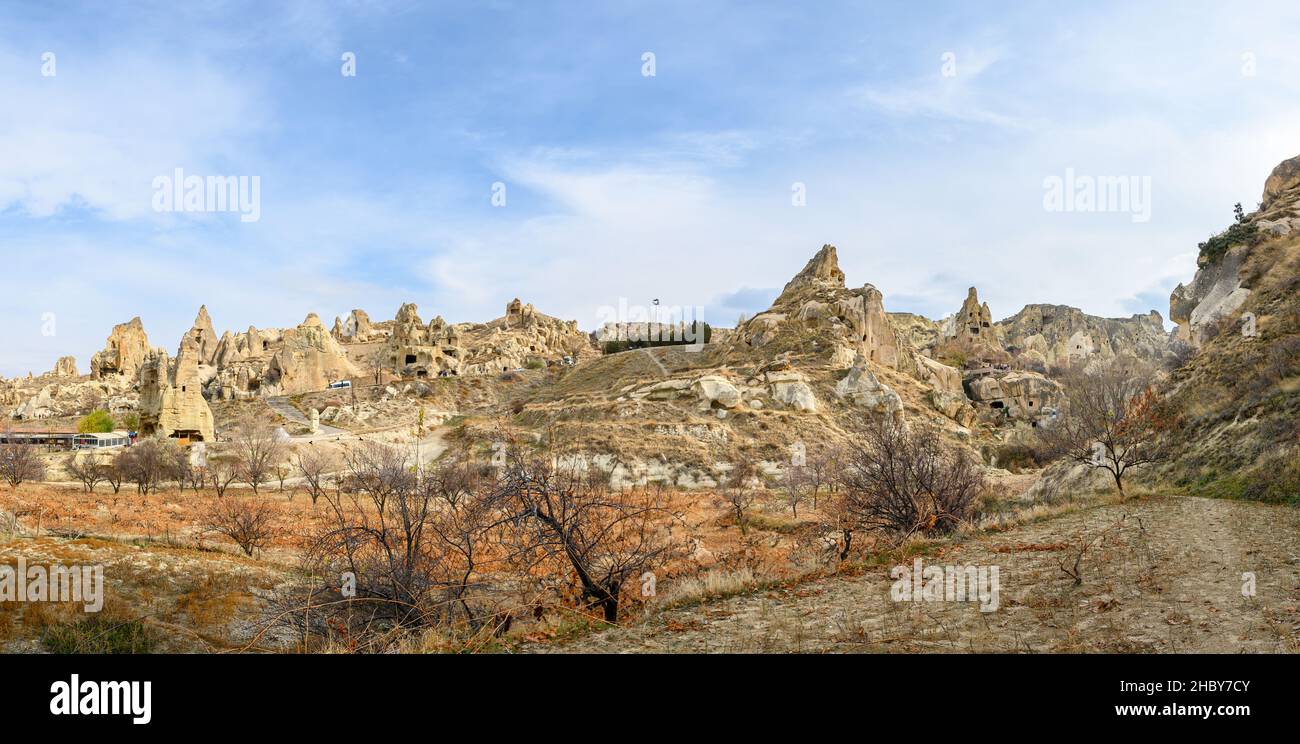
1168, 577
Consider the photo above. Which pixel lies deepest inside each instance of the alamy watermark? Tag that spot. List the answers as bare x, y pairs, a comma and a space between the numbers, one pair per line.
95, 698
1079, 193
181, 193
920, 583
57, 583
652, 324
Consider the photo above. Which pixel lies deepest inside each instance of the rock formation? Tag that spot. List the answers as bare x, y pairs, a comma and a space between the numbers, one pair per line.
123, 353
862, 388
171, 396
65, 367
1283, 181
308, 359
1016, 396
204, 336
969, 335
816, 313
357, 328
1044, 336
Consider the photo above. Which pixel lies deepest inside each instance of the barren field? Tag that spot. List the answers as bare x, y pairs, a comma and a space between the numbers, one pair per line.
1167, 579
1159, 574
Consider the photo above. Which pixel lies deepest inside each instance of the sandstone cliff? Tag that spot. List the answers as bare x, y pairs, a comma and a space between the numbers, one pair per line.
123, 353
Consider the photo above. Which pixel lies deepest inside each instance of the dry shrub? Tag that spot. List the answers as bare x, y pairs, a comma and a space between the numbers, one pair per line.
902, 481
249, 521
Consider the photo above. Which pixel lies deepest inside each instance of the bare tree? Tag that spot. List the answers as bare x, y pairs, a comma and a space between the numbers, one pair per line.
738, 491
315, 465
905, 480
818, 470
793, 485
85, 468
20, 463
1111, 419
113, 474
247, 520
257, 451
605, 537
221, 473
148, 464
414, 544
181, 468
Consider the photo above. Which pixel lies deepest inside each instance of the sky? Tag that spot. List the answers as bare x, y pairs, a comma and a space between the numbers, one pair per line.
587, 156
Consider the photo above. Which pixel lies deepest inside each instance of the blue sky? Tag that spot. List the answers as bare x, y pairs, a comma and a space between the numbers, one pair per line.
376, 189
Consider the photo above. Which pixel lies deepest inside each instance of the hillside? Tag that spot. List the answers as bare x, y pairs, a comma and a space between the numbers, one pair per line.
1238, 397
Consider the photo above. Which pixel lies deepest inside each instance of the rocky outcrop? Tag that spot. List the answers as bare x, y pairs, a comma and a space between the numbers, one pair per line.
1284, 181
1013, 396
816, 313
861, 388
917, 331
171, 396
969, 335
123, 353
716, 391
1044, 336
947, 394
792, 390
204, 337
417, 350
65, 367
308, 359
1216, 292
1236, 401
358, 329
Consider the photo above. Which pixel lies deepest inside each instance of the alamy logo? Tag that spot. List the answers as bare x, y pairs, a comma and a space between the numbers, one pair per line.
919, 583
1078, 193
37, 583
181, 193
91, 698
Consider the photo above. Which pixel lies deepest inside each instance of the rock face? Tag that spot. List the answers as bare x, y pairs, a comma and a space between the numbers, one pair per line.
1217, 292
969, 335
1043, 336
864, 390
171, 396
947, 394
417, 350
1285, 178
204, 337
357, 327
792, 390
918, 331
520, 337
308, 359
123, 353
1015, 396
817, 312
65, 367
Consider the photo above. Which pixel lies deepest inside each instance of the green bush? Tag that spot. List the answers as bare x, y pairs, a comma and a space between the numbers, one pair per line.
1240, 233
535, 364
97, 421
98, 635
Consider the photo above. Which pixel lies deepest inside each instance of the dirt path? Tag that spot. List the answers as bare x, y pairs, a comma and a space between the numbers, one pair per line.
1167, 578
